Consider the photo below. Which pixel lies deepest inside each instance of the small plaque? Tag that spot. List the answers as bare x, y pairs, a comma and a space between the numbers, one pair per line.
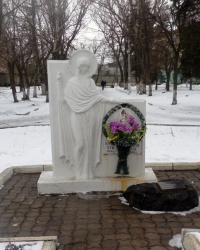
171, 184
110, 149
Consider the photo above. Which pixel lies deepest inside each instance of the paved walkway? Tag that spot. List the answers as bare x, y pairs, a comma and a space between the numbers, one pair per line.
89, 224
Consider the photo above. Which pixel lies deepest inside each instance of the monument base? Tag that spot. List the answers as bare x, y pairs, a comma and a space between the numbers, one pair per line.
47, 184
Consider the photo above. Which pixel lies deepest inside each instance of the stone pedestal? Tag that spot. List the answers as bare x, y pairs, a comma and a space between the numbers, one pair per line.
48, 184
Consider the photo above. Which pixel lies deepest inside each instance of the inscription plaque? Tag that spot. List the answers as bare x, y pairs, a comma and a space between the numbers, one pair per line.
109, 148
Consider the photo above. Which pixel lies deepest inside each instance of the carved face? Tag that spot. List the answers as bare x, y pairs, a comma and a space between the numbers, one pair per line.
83, 66
83, 69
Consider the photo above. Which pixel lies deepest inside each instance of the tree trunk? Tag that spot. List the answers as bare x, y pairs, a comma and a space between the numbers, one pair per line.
47, 92
167, 80
14, 93
21, 80
11, 68
156, 85
121, 76
174, 100
28, 93
176, 59
141, 88
138, 88
125, 66
144, 88
150, 89
190, 83
27, 84
167, 86
24, 95
43, 86
47, 96
35, 91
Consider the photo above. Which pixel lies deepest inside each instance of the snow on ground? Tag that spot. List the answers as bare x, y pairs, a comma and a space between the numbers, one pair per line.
160, 110
35, 111
165, 141
176, 241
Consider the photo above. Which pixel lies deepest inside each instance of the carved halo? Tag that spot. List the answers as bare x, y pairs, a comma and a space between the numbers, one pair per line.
73, 62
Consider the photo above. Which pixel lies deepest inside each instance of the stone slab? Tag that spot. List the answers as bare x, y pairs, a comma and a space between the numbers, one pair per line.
47, 184
58, 75
48, 242
190, 239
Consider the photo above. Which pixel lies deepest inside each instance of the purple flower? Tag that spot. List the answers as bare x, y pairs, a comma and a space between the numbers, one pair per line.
136, 126
114, 126
123, 127
130, 119
129, 129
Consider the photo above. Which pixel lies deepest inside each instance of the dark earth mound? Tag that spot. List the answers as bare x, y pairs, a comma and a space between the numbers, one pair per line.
166, 195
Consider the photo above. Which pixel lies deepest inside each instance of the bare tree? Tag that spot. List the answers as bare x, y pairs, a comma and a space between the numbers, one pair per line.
62, 21
37, 30
4, 11
8, 43
168, 65
143, 42
99, 48
110, 18
129, 30
172, 19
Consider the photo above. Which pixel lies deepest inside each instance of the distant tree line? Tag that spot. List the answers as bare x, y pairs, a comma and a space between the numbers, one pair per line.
142, 37
151, 35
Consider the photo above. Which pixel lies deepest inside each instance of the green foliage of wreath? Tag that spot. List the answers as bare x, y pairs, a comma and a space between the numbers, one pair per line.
125, 142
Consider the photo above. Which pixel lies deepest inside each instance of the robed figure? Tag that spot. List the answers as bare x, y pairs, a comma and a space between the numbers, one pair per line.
81, 116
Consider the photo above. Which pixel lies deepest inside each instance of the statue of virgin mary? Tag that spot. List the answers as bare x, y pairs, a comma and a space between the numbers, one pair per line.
85, 110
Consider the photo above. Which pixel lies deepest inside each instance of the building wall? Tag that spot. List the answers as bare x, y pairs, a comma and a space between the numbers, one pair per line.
110, 79
4, 81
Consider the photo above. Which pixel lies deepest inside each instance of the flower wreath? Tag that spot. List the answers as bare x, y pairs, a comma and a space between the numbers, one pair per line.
122, 138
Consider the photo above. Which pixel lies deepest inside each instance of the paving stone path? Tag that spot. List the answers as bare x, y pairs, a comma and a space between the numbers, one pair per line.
89, 224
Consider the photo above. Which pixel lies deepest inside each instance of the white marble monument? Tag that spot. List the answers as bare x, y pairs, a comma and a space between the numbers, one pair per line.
82, 159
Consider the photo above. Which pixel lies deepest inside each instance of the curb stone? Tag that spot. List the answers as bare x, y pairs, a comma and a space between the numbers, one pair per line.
9, 172
173, 166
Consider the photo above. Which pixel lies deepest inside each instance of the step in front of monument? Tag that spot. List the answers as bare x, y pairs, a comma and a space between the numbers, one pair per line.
48, 184
34, 243
190, 238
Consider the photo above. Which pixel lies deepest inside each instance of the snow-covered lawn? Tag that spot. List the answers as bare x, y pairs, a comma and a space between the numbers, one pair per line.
165, 141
